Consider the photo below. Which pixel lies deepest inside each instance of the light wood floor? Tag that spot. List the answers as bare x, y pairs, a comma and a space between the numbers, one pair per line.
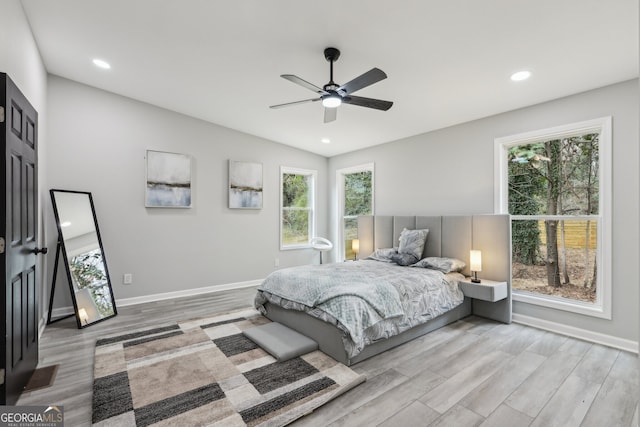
474, 372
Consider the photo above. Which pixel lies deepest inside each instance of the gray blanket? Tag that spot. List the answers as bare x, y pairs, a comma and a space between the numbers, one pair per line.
316, 285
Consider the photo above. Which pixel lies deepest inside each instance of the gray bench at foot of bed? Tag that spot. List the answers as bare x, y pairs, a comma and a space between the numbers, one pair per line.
281, 342
329, 338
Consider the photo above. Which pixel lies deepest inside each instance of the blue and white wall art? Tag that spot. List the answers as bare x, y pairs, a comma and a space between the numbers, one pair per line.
245, 185
168, 180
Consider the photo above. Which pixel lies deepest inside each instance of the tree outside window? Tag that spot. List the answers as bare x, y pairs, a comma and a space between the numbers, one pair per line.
552, 180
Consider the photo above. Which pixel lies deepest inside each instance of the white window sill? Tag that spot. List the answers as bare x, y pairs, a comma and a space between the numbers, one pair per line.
558, 303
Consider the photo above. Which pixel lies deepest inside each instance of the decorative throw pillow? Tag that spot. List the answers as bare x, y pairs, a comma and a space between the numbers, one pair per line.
444, 264
404, 259
412, 242
383, 254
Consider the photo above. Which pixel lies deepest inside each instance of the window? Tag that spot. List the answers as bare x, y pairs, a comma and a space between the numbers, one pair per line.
556, 185
297, 207
355, 197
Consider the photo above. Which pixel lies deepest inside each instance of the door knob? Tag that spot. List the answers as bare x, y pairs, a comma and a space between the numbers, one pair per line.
40, 251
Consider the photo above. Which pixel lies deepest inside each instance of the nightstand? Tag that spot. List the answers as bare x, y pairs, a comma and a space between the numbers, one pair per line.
487, 290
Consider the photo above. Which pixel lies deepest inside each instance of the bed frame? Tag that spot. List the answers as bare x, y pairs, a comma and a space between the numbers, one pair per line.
449, 236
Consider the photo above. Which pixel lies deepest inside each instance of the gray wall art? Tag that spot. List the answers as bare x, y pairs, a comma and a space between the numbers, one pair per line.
245, 185
168, 180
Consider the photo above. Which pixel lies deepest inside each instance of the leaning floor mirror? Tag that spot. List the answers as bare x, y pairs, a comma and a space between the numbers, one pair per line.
83, 256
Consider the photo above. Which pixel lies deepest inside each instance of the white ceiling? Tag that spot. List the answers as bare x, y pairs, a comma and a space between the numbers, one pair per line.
447, 61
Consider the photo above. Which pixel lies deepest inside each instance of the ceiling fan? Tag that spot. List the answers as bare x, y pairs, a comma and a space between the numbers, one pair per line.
332, 94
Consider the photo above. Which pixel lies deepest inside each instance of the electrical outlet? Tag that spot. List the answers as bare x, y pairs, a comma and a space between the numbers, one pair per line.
276, 262
127, 278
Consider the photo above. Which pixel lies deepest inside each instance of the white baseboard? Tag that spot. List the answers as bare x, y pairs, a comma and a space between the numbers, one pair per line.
123, 302
583, 334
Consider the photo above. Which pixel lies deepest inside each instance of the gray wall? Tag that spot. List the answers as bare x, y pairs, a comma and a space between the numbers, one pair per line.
450, 171
20, 59
97, 143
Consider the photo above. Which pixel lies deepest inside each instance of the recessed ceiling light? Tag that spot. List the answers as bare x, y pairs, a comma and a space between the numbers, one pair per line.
102, 64
520, 75
65, 224
325, 141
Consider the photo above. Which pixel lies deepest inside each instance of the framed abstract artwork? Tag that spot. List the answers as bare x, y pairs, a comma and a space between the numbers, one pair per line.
245, 185
168, 182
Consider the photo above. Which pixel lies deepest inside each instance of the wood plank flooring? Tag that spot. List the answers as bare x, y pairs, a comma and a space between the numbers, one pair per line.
474, 372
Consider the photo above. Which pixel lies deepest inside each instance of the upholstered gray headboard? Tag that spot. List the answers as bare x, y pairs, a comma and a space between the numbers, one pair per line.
452, 236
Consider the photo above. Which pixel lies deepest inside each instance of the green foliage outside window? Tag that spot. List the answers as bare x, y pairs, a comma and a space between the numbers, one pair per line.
296, 209
560, 176
295, 190
88, 272
552, 178
358, 200
295, 227
522, 185
357, 193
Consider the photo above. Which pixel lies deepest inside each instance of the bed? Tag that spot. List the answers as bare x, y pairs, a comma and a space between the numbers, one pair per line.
358, 309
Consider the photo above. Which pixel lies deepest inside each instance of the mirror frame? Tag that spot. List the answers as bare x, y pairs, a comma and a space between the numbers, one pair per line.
61, 246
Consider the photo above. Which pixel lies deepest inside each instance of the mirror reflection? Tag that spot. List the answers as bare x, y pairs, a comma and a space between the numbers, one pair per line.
84, 256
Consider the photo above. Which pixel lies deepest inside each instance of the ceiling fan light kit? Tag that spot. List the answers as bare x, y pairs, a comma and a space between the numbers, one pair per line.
332, 101
333, 95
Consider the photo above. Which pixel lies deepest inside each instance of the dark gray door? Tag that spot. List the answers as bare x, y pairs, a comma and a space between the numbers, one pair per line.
19, 133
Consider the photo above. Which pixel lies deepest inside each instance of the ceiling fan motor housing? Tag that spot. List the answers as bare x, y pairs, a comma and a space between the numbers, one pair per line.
331, 54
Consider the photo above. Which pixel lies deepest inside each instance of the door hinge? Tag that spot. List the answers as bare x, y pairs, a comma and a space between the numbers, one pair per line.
1, 376
1, 245
1, 114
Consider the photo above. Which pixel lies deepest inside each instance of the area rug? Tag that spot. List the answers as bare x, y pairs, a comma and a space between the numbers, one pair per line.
205, 372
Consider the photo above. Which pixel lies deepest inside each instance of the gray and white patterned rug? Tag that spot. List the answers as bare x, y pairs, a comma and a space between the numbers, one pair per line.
206, 372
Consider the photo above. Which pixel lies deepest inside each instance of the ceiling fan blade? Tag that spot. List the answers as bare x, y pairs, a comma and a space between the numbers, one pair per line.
295, 103
378, 104
372, 76
330, 114
297, 80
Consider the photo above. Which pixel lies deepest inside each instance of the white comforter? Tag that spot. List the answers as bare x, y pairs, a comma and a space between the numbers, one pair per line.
367, 300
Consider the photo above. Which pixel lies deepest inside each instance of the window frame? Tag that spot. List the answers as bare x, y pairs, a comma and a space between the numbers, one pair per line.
313, 174
339, 221
602, 307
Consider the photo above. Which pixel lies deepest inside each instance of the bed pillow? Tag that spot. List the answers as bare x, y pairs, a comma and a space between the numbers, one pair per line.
383, 254
412, 242
404, 259
444, 264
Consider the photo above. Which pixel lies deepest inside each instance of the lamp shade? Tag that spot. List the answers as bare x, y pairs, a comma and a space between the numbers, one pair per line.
355, 246
84, 317
475, 260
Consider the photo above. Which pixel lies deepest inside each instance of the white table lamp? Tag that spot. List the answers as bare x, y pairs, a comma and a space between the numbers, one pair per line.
84, 317
475, 264
355, 247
